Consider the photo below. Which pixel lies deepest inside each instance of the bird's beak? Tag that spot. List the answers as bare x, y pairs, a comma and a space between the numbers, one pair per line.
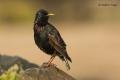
51, 14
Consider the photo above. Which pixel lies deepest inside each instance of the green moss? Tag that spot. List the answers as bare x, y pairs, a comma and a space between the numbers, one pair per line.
11, 74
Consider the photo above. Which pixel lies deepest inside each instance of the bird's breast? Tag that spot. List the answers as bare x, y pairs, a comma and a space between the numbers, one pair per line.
37, 29
41, 38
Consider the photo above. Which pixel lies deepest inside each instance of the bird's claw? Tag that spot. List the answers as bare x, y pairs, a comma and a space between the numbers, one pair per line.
48, 64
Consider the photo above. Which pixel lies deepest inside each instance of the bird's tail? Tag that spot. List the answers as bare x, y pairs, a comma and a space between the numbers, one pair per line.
67, 64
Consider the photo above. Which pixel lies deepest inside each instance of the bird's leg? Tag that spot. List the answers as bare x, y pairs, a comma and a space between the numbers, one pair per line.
51, 59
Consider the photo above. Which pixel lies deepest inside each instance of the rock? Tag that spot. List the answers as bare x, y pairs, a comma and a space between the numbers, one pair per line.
7, 61
31, 71
45, 73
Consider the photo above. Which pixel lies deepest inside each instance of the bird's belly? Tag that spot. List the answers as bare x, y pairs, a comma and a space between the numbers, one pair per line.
42, 42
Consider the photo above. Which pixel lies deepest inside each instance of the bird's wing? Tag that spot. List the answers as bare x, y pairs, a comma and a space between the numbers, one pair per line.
55, 32
57, 42
61, 40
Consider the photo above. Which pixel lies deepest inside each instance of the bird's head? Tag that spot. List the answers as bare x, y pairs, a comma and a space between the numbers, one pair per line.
42, 16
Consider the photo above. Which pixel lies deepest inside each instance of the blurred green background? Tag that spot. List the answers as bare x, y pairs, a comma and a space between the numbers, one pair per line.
18, 11
91, 29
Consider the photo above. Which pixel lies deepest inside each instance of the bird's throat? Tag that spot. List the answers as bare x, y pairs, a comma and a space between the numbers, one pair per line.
42, 23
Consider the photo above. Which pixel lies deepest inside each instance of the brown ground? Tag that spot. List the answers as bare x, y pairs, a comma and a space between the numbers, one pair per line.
94, 48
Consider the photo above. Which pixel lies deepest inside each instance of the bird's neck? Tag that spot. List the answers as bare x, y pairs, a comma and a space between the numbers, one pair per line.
42, 23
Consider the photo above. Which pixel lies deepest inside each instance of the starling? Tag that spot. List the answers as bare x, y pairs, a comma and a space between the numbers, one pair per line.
48, 39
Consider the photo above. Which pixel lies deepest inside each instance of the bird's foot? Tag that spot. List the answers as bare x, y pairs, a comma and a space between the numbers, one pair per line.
48, 64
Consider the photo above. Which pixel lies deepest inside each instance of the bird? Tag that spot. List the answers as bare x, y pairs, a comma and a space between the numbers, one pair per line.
48, 39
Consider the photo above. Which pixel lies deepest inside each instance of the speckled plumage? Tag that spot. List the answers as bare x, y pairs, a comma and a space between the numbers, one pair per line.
47, 37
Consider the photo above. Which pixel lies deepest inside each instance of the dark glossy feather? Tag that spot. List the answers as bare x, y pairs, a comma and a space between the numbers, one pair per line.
57, 42
48, 38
